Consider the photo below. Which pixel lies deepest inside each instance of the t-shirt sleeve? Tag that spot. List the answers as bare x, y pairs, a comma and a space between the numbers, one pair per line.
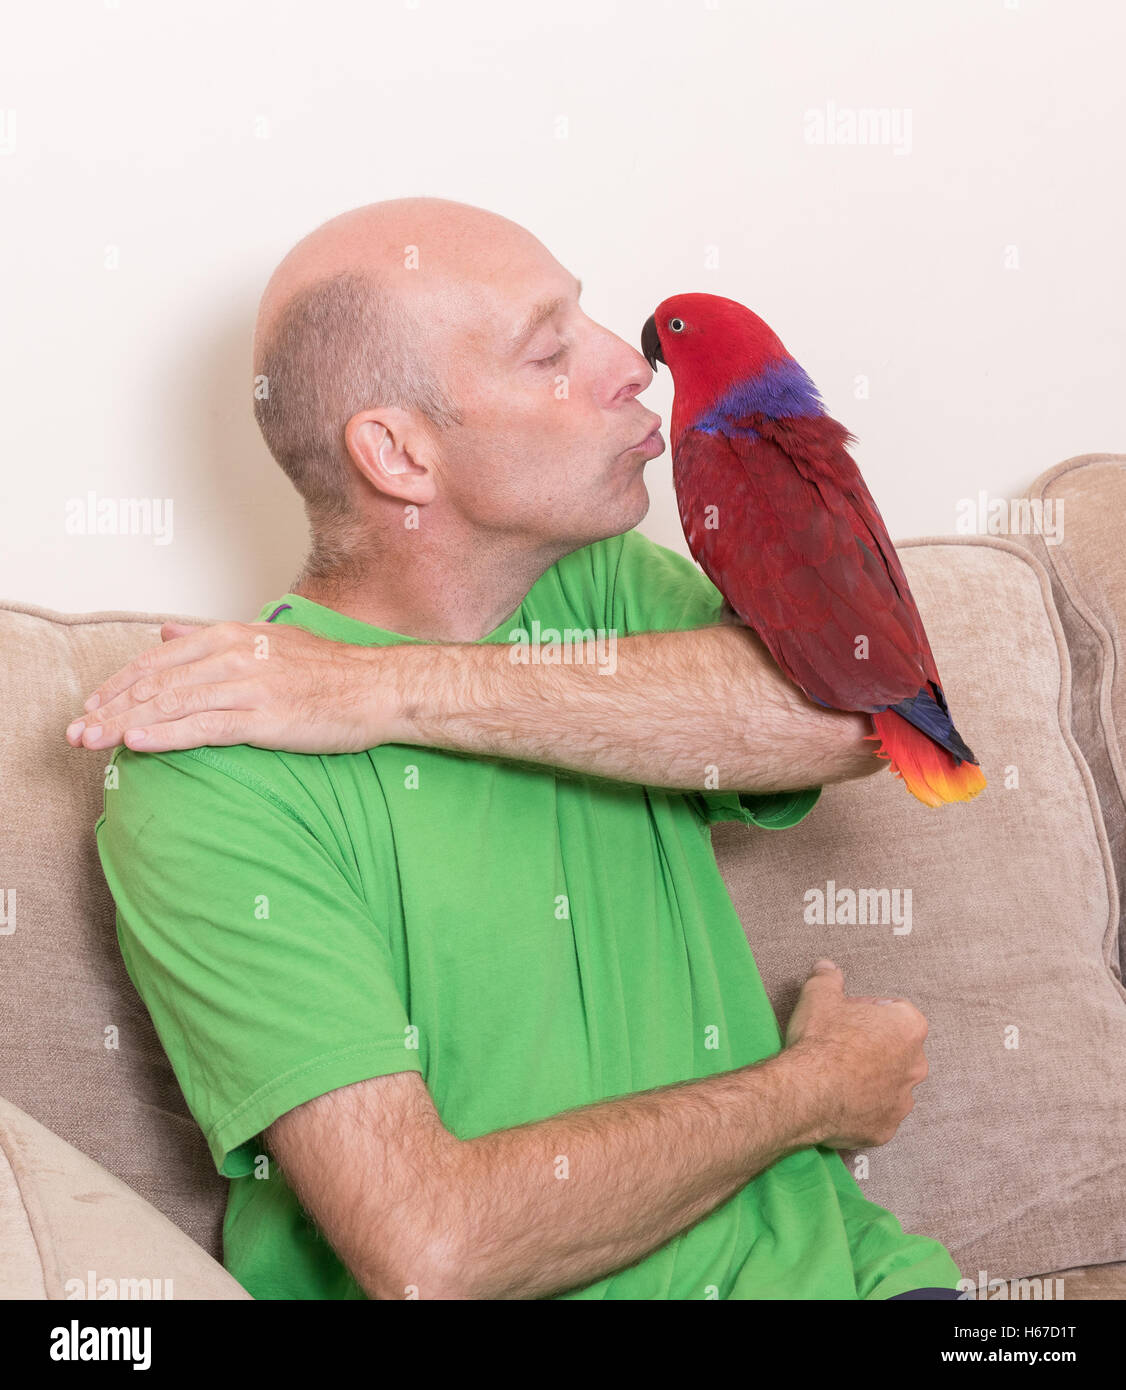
768, 810
654, 589
267, 976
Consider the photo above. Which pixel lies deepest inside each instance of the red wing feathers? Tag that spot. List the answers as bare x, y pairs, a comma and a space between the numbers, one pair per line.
798, 547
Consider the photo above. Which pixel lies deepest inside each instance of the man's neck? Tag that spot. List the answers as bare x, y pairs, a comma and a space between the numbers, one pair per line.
435, 597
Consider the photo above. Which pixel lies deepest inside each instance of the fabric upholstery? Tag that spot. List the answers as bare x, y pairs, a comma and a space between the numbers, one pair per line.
78, 1232
1085, 497
78, 1051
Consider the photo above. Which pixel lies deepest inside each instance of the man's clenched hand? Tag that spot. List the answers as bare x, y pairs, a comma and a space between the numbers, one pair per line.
257, 683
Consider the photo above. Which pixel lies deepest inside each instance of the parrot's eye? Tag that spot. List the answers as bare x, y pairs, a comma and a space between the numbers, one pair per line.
677, 325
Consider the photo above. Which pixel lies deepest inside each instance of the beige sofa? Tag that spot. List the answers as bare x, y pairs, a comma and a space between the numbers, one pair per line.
1015, 1154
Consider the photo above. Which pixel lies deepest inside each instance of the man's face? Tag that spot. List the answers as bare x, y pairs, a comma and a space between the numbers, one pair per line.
547, 453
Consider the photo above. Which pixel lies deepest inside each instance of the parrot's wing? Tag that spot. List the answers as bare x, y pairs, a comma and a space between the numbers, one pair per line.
797, 546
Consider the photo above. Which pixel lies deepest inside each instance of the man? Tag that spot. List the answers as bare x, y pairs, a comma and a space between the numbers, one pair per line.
465, 1011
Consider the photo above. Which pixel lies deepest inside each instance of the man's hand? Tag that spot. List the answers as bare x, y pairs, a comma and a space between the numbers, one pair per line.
866, 1055
271, 686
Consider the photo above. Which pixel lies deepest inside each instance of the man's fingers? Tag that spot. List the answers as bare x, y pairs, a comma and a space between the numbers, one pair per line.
163, 684
175, 705
173, 652
229, 683
113, 696
147, 681
213, 728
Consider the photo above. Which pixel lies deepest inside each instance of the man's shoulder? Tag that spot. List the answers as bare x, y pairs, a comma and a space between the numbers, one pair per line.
632, 584
645, 586
208, 780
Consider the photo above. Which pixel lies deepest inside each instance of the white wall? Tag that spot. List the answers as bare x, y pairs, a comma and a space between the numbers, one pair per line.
163, 157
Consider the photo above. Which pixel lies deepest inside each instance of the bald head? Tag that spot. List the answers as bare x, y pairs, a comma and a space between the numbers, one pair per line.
355, 318
422, 358
419, 248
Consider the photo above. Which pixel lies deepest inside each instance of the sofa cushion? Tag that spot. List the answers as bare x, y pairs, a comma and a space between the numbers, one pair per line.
70, 1230
1104, 1282
1015, 1153
1083, 502
78, 1050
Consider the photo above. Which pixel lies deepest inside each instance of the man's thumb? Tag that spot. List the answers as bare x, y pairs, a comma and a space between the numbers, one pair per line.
832, 974
825, 977
169, 631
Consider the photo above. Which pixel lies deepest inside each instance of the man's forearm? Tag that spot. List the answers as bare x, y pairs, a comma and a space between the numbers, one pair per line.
706, 708
557, 1204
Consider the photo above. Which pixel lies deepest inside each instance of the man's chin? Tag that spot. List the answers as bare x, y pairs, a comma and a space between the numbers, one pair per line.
625, 512
618, 509
642, 509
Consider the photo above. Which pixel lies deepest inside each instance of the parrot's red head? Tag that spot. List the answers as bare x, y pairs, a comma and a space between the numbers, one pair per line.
712, 346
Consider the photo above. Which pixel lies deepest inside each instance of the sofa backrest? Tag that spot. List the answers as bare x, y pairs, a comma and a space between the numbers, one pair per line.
78, 1051
1082, 502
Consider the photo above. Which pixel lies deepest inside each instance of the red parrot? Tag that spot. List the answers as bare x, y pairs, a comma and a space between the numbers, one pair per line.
778, 517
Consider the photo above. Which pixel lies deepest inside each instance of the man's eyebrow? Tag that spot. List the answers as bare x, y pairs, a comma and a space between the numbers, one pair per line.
539, 314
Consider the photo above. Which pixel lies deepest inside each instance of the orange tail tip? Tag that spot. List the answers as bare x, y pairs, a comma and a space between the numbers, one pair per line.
930, 772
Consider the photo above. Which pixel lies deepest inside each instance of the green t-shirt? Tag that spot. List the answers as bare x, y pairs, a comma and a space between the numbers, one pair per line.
528, 940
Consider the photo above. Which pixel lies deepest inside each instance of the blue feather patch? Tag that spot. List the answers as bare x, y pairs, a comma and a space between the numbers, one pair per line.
780, 390
933, 719
929, 713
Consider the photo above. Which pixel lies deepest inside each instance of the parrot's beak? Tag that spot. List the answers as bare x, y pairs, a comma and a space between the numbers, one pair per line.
651, 343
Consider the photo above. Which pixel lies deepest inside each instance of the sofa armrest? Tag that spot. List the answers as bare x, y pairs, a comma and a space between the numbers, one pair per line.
71, 1230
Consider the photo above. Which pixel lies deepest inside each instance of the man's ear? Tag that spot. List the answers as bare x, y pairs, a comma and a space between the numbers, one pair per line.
392, 450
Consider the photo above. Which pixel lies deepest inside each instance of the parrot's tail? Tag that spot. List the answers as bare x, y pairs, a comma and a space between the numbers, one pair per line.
930, 772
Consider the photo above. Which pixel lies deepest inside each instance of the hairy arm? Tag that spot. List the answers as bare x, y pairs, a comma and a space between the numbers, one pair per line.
541, 1208
683, 710
700, 709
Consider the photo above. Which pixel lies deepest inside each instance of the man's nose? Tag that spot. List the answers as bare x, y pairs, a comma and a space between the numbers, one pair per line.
639, 373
